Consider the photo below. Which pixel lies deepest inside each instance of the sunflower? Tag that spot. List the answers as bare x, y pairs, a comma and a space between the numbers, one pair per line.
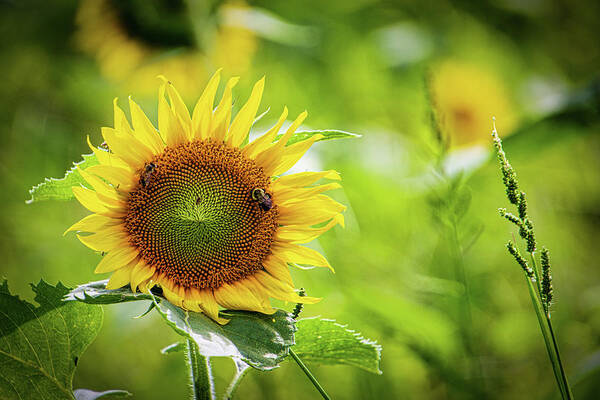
191, 209
466, 97
134, 41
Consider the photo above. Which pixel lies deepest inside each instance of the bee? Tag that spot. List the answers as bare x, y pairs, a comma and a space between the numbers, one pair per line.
262, 198
146, 175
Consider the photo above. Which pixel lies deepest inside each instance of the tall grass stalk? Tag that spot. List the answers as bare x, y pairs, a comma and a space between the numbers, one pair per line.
539, 283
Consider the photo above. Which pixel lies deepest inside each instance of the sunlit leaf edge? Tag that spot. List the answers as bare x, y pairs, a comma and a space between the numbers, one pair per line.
60, 188
357, 335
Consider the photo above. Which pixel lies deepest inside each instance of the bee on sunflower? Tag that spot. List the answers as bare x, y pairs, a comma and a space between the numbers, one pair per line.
193, 208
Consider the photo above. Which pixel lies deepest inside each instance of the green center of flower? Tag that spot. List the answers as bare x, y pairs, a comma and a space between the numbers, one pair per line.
193, 216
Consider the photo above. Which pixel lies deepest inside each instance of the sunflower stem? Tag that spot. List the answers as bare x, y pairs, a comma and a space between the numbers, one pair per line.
310, 376
241, 369
200, 373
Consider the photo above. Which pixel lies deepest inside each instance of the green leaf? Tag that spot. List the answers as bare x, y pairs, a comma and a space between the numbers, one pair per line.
96, 293
261, 340
85, 394
40, 346
60, 189
328, 134
325, 341
174, 348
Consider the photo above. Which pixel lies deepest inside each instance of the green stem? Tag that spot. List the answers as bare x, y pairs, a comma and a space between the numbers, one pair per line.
314, 380
563, 374
240, 372
557, 365
551, 346
467, 324
200, 373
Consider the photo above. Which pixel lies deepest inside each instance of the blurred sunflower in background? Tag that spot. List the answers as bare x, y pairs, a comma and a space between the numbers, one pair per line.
192, 208
465, 97
134, 41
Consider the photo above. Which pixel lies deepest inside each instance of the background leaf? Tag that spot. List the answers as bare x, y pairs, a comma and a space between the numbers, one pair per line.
60, 189
40, 346
328, 134
85, 394
261, 340
174, 348
328, 342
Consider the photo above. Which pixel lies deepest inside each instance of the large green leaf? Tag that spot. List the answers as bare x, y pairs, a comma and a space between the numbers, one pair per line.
261, 340
40, 346
327, 342
328, 134
96, 293
60, 189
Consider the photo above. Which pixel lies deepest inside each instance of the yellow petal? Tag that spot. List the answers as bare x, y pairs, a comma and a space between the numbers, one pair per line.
107, 158
303, 234
281, 290
172, 296
127, 148
291, 155
144, 130
281, 194
101, 187
105, 240
296, 254
243, 121
263, 142
273, 153
141, 272
116, 259
222, 115
204, 107
208, 304
278, 268
311, 211
92, 223
89, 199
305, 178
236, 296
169, 124
179, 108
122, 179
120, 277
121, 123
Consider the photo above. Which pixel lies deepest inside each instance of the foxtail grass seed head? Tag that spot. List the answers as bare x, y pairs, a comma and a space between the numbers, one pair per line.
512, 249
530, 236
546, 279
522, 206
509, 176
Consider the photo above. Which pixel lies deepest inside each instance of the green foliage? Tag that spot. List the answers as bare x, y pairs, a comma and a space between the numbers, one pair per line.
60, 189
328, 134
85, 394
260, 340
96, 293
41, 346
174, 348
328, 342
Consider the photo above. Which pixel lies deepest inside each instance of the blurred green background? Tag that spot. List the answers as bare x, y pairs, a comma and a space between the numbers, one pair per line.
422, 265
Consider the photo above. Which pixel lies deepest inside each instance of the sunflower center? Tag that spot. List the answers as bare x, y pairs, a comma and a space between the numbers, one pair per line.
194, 218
